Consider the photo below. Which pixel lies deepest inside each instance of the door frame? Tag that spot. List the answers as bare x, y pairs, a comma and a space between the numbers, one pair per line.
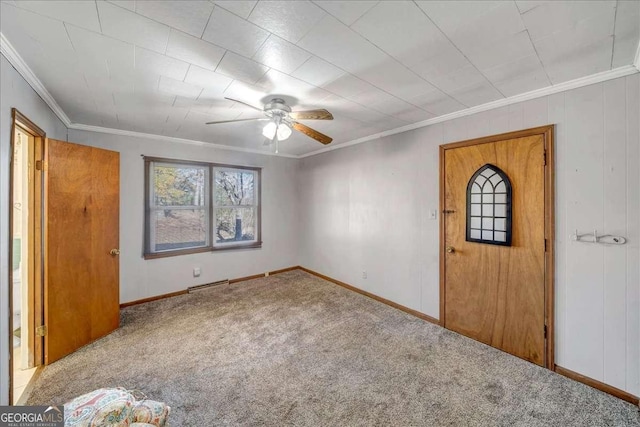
36, 316
547, 133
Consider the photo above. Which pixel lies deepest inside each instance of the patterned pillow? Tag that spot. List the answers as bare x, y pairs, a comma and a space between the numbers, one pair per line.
105, 406
151, 412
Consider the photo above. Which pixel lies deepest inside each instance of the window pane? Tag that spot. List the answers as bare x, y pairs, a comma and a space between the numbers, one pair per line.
488, 172
179, 185
234, 188
475, 222
235, 224
180, 229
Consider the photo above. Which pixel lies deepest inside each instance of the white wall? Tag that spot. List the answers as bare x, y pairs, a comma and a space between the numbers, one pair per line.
14, 93
141, 278
365, 208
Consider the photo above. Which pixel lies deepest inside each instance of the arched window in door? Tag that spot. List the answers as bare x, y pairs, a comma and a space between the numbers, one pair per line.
489, 207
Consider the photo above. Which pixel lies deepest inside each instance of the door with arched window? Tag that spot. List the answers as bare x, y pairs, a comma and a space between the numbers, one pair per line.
496, 221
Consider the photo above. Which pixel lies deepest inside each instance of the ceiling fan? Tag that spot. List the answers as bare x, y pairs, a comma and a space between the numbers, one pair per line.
281, 120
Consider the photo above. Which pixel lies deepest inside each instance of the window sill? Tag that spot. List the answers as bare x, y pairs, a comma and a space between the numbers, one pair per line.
252, 245
155, 255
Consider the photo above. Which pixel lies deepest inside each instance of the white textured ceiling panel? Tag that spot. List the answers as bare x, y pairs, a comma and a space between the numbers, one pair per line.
190, 17
82, 14
241, 8
194, 50
287, 19
129, 27
165, 67
346, 11
281, 55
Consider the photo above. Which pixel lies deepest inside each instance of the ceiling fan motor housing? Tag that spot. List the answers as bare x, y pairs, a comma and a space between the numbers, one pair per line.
277, 107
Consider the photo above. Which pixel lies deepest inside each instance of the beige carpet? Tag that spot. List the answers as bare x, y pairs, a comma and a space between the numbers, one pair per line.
293, 349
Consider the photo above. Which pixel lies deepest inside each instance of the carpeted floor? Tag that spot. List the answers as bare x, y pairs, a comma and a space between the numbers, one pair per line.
293, 349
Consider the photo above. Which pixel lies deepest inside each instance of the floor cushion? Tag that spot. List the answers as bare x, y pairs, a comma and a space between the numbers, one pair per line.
115, 407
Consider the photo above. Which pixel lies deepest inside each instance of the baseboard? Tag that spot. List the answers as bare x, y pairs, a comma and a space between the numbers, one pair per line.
375, 297
244, 279
184, 291
620, 394
284, 270
155, 298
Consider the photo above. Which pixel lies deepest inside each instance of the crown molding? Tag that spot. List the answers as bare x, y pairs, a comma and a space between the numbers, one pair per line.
538, 93
23, 69
14, 58
113, 131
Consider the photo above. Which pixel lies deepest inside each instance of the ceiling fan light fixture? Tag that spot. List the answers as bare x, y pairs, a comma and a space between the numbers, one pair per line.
269, 130
284, 131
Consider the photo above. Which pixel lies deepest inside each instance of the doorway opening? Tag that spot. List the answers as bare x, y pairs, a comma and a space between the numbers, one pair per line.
25, 254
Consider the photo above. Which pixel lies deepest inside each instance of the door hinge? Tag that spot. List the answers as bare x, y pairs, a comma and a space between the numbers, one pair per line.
41, 165
545, 245
544, 157
41, 331
545, 331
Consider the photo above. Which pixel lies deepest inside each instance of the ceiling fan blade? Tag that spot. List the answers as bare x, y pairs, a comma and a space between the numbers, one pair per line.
312, 133
244, 103
231, 121
311, 115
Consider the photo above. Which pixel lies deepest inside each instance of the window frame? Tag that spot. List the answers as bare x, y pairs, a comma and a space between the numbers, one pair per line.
210, 207
508, 207
255, 206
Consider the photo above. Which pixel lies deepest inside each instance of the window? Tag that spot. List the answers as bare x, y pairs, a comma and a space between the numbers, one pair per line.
196, 207
489, 207
236, 206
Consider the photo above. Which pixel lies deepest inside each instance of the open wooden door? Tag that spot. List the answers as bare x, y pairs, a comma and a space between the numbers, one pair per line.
81, 287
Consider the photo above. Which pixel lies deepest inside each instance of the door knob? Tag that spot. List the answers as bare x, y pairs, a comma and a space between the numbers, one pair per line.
114, 252
450, 249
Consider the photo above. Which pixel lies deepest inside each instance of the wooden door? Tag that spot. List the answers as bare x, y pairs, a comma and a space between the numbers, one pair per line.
81, 228
495, 293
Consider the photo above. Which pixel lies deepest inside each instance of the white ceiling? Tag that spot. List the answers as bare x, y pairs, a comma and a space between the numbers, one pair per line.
164, 67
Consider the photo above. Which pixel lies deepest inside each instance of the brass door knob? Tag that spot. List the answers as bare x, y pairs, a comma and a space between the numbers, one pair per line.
450, 249
114, 252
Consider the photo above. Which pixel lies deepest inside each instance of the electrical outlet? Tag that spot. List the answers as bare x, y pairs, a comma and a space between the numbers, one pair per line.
196, 272
433, 214
364, 274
